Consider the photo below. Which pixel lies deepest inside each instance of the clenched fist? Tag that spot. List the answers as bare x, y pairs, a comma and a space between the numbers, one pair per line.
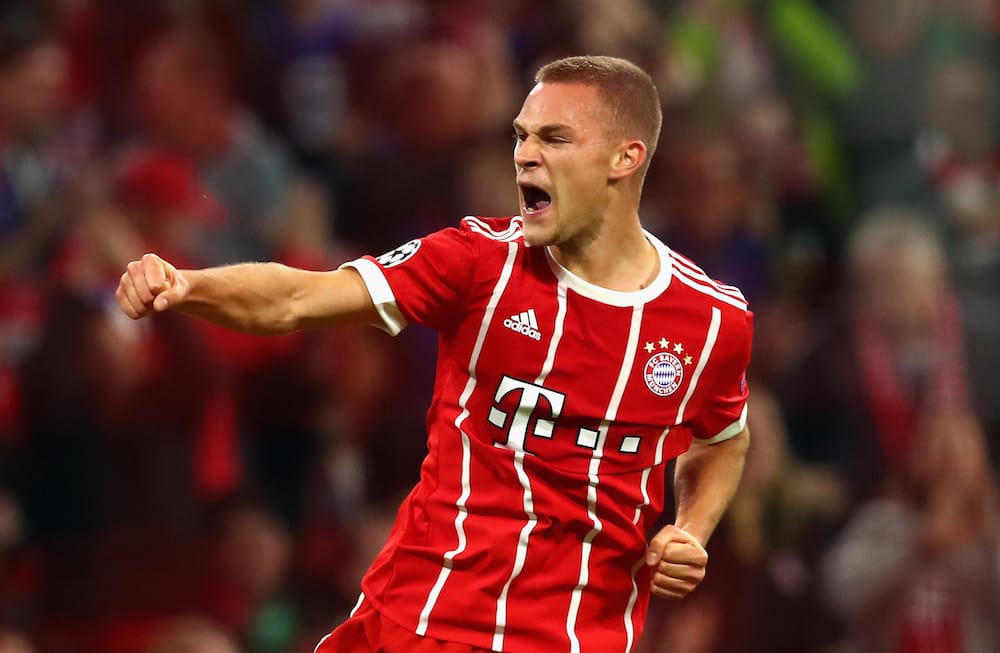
678, 560
150, 284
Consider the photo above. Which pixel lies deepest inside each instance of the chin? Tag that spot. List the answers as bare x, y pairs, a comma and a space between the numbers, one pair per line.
539, 230
535, 237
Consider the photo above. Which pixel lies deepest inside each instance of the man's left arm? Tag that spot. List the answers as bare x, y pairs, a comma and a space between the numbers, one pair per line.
705, 480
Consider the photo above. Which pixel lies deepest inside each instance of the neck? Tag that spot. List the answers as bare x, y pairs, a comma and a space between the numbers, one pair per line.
619, 257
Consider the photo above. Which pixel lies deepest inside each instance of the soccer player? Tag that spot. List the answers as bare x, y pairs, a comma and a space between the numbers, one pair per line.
577, 355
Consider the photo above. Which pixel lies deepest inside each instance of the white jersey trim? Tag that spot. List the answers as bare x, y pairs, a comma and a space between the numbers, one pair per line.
320, 642
730, 431
357, 605
381, 293
688, 280
696, 272
483, 228
616, 297
470, 386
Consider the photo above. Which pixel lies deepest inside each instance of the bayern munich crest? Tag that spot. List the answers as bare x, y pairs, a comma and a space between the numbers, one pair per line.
663, 373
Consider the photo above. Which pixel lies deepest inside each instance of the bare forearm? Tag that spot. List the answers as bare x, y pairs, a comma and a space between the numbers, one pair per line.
270, 298
705, 480
251, 297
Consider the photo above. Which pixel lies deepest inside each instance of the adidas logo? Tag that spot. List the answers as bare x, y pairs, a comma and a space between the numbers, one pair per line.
524, 323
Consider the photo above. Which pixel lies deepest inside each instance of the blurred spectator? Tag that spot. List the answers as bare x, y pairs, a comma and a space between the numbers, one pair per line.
967, 29
706, 199
314, 49
187, 93
163, 197
248, 581
917, 569
32, 83
880, 118
951, 166
151, 200
76, 379
902, 44
953, 172
788, 213
305, 41
782, 185
430, 111
889, 354
102, 41
715, 51
93, 456
720, 55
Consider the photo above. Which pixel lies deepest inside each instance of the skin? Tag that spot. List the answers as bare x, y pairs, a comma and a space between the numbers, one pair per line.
593, 175
564, 146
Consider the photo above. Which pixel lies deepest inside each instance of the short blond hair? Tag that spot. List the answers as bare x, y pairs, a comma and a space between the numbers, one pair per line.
626, 89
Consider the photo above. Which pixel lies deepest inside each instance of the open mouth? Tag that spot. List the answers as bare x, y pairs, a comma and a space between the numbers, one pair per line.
536, 200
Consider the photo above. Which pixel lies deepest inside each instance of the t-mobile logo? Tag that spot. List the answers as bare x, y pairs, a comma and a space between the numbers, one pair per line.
547, 402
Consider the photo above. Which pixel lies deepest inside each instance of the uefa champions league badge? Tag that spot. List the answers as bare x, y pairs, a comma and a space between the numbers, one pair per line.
400, 254
664, 370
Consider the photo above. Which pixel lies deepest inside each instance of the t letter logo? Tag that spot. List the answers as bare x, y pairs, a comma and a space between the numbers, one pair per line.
530, 399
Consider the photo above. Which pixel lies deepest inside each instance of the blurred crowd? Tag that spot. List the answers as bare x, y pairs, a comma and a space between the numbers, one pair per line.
169, 487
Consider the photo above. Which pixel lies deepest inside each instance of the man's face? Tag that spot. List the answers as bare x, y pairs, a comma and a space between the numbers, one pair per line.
562, 156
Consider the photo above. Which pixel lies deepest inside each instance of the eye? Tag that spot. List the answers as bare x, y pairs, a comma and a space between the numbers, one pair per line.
519, 136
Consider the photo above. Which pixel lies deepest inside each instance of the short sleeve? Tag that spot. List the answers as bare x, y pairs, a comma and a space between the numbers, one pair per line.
723, 414
422, 281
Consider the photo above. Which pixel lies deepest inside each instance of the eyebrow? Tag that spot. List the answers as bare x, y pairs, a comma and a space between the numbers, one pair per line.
545, 129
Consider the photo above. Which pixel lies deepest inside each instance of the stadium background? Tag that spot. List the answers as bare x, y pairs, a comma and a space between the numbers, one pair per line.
167, 487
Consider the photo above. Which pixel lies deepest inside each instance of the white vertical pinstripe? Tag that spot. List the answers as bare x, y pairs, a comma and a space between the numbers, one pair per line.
595, 464
633, 597
644, 483
470, 385
529, 505
706, 351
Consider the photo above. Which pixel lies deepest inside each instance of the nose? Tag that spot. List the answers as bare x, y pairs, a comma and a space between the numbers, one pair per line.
526, 154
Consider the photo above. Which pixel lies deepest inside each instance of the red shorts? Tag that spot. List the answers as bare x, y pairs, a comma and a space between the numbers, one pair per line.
365, 631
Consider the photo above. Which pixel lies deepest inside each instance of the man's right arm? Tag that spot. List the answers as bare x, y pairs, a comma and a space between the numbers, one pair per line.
262, 298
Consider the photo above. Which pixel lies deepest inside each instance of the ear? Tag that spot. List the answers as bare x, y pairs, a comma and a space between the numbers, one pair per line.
627, 159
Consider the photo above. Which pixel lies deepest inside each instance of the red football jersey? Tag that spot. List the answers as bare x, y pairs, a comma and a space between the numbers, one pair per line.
556, 404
